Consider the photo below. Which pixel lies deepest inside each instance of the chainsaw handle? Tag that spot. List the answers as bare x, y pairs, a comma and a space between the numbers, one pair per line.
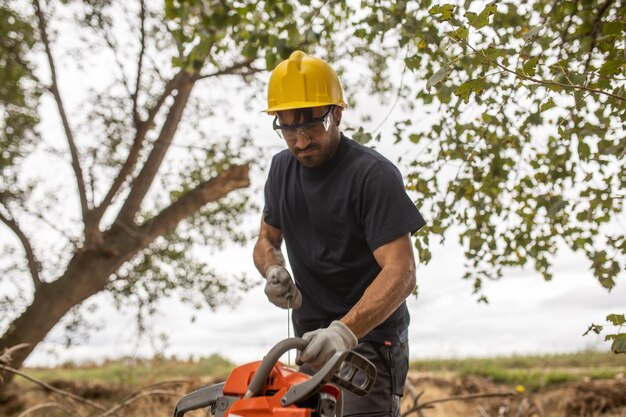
260, 377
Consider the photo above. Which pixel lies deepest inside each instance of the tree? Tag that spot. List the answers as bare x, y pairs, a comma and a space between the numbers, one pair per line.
523, 144
521, 148
137, 220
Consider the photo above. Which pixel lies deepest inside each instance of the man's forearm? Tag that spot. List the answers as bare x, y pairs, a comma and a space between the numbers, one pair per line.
384, 295
265, 255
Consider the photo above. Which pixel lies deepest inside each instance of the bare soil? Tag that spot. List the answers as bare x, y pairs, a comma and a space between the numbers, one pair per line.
606, 398
453, 396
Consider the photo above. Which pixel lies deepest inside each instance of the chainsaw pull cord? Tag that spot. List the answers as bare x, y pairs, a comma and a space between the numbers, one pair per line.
288, 329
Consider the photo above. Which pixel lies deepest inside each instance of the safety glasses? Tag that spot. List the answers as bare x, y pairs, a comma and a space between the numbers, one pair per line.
310, 129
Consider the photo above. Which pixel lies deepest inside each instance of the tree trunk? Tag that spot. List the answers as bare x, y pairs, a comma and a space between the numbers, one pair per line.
89, 270
85, 276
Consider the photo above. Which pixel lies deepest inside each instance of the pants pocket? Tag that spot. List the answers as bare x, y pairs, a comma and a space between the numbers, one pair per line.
392, 363
399, 366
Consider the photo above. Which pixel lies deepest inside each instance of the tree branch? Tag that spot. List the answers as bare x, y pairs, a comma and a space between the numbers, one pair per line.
144, 179
52, 388
135, 95
65, 408
144, 126
429, 404
33, 264
549, 83
133, 154
54, 89
217, 187
564, 34
114, 49
172, 85
233, 70
136, 397
5, 357
597, 23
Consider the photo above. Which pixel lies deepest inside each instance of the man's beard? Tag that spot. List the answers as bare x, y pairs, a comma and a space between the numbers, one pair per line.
321, 154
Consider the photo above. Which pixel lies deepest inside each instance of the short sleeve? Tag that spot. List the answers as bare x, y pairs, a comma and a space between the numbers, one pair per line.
387, 212
270, 209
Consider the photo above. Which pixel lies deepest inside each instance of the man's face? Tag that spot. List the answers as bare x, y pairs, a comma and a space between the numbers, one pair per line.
312, 145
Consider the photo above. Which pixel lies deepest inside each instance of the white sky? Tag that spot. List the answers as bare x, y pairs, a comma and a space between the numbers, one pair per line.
525, 314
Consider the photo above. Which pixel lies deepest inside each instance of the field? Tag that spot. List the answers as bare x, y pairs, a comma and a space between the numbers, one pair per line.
585, 384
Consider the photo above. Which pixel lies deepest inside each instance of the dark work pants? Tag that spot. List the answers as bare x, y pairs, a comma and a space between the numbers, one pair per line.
392, 365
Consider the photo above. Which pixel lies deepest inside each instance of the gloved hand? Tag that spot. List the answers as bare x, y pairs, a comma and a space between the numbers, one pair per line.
324, 343
280, 288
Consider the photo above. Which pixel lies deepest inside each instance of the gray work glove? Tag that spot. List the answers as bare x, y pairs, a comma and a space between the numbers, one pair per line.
280, 288
324, 343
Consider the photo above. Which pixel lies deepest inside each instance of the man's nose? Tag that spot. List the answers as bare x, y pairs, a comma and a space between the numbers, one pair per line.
302, 140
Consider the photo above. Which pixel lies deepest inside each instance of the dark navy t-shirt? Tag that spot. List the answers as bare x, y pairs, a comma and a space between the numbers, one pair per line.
332, 218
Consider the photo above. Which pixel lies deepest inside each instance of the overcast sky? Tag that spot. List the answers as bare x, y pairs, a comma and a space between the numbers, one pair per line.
525, 316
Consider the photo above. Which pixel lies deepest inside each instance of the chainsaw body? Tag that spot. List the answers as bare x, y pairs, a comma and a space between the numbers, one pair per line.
268, 388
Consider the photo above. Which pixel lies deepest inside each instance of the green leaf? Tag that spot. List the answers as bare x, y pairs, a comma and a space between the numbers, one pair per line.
611, 67
270, 61
613, 28
584, 151
530, 67
467, 88
547, 105
460, 33
596, 328
557, 204
481, 20
249, 51
532, 34
607, 283
413, 62
360, 33
616, 319
619, 344
470, 16
445, 10
439, 76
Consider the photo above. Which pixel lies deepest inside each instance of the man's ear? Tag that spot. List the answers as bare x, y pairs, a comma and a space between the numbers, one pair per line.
337, 112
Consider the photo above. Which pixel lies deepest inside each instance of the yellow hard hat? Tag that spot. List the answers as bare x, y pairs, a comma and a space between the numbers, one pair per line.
303, 81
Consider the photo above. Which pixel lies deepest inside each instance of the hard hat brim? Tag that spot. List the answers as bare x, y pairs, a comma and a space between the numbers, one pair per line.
302, 105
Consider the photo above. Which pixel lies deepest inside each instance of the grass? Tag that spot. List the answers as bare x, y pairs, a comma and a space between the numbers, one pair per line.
532, 372
134, 372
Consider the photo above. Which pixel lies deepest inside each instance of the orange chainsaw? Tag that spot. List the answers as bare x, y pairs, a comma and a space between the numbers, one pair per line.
268, 388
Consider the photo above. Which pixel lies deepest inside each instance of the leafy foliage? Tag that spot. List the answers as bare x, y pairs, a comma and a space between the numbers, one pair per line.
520, 141
19, 98
546, 172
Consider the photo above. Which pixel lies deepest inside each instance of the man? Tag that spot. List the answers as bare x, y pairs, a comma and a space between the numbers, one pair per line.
346, 221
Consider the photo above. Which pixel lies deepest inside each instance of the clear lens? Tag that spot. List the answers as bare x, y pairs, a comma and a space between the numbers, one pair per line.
309, 129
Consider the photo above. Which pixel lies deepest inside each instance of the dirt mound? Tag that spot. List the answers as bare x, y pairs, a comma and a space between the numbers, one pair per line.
477, 396
91, 391
446, 395
11, 404
597, 397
